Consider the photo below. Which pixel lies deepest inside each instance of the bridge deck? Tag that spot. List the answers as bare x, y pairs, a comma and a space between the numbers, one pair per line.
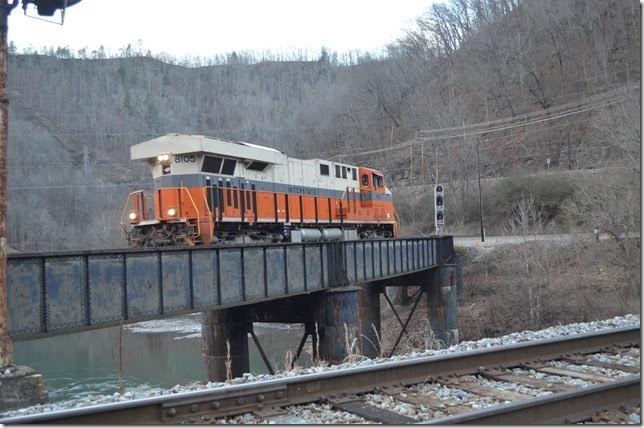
73, 291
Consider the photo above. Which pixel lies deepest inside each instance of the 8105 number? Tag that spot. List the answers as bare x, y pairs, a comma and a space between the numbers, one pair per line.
185, 158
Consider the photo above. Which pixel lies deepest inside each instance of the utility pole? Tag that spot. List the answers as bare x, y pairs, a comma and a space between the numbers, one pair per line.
44, 8
436, 163
6, 344
478, 172
85, 161
422, 163
411, 165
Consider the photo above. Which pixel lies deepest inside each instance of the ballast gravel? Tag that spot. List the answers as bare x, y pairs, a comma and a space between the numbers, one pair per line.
630, 320
305, 414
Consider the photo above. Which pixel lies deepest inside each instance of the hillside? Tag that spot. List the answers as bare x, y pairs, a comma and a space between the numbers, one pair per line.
73, 118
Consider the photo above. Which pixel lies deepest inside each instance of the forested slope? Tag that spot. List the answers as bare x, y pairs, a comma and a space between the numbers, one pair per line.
75, 114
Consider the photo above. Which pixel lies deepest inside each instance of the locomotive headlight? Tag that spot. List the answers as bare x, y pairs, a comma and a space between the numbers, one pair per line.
134, 217
163, 158
172, 212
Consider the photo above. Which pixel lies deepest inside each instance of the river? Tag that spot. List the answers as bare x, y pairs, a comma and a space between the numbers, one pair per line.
156, 354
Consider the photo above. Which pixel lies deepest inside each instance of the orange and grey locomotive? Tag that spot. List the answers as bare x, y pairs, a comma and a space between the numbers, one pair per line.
209, 190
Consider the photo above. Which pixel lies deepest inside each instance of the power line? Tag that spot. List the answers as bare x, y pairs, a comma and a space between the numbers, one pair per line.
543, 119
577, 103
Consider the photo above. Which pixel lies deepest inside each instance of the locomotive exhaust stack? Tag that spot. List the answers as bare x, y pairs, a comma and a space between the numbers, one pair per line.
209, 190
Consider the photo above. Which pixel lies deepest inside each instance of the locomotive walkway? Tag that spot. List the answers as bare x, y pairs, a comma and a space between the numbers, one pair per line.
59, 293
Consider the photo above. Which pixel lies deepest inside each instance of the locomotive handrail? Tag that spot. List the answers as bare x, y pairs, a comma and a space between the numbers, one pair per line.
210, 221
125, 206
194, 205
397, 225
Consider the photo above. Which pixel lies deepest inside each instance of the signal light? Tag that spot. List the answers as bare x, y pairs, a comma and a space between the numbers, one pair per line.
439, 208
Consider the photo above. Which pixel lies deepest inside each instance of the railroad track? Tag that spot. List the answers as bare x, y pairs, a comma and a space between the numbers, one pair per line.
560, 380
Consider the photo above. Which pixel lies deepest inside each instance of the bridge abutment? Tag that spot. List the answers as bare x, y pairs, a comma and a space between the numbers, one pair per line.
21, 386
224, 344
441, 304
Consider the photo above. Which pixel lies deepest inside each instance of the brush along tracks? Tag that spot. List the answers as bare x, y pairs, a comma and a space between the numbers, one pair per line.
565, 379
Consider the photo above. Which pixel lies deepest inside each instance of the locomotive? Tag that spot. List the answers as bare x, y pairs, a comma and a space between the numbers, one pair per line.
211, 190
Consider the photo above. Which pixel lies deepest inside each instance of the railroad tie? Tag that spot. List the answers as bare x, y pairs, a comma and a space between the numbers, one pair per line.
605, 365
570, 373
477, 389
372, 413
528, 381
416, 398
610, 416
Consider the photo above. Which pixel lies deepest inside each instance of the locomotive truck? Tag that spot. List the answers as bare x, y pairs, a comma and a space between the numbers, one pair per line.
211, 190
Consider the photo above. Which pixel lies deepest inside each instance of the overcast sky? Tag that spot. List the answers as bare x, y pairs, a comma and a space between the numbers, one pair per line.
208, 27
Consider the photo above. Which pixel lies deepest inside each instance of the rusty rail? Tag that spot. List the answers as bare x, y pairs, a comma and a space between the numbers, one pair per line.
560, 408
263, 397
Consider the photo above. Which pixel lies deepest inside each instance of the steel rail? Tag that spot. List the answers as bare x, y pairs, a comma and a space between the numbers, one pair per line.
559, 408
262, 397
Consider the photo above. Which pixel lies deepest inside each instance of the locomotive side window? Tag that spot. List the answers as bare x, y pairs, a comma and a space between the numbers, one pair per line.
337, 171
211, 164
229, 167
354, 174
377, 181
257, 166
324, 169
365, 180
344, 172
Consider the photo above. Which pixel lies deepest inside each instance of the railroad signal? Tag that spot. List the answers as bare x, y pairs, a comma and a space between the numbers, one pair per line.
439, 208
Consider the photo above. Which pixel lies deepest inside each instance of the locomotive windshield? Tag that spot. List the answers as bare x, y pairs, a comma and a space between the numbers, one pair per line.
211, 164
229, 167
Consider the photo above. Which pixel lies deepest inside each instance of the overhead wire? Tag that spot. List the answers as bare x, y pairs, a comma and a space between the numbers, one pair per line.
568, 109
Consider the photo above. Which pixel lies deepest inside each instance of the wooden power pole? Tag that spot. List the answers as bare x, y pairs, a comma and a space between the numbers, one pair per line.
6, 344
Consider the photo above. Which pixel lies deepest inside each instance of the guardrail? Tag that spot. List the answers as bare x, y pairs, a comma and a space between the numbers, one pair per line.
64, 292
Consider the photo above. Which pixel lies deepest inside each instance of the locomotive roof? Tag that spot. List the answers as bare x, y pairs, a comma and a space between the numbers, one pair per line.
184, 143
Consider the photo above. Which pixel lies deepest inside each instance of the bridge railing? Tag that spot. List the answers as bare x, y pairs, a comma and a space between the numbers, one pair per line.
73, 291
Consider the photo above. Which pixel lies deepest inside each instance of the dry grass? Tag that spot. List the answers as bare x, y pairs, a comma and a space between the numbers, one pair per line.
352, 347
577, 282
229, 363
420, 337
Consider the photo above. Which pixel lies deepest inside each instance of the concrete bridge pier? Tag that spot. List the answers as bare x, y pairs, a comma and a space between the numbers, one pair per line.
441, 304
224, 344
348, 323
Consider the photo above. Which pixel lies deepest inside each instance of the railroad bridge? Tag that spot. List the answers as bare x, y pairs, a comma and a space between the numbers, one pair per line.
333, 288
